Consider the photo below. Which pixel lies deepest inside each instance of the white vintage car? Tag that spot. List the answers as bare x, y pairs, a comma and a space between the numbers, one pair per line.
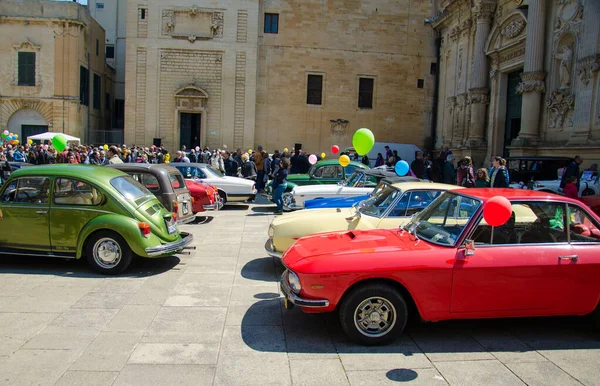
231, 189
359, 183
588, 185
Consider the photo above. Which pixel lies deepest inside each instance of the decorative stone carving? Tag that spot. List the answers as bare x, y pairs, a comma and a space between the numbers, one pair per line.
460, 65
192, 38
191, 97
532, 81
168, 21
192, 23
566, 59
484, 12
479, 96
512, 55
560, 103
513, 29
465, 28
461, 101
569, 17
339, 126
586, 68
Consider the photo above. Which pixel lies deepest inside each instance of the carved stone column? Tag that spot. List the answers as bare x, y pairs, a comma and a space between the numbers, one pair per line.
532, 85
479, 91
449, 121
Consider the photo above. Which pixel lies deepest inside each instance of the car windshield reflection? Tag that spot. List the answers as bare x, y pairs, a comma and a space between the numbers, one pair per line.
380, 202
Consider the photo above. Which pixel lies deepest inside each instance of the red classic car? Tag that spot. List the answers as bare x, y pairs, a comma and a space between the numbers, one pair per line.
206, 197
448, 263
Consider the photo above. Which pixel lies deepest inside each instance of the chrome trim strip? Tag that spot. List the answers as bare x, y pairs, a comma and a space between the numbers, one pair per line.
40, 254
270, 249
186, 239
295, 299
186, 220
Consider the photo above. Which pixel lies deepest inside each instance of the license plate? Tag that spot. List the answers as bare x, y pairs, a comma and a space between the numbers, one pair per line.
171, 226
185, 208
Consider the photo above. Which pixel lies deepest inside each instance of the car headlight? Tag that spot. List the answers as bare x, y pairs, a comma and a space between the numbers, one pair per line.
294, 281
271, 231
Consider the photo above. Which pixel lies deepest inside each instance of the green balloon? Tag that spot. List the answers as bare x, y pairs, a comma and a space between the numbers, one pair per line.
59, 142
363, 141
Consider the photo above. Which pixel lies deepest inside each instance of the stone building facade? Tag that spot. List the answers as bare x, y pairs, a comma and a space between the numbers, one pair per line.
519, 77
237, 73
191, 73
47, 80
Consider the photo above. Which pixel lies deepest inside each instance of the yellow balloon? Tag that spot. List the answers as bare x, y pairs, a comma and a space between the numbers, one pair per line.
285, 150
105, 147
249, 151
344, 160
16, 136
30, 141
323, 155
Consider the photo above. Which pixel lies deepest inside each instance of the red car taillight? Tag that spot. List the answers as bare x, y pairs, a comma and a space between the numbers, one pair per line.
175, 206
144, 228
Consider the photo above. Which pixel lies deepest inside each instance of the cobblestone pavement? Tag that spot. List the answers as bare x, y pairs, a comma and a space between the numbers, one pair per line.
215, 318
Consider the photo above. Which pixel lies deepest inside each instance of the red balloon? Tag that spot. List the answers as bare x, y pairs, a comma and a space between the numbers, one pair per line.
497, 211
335, 149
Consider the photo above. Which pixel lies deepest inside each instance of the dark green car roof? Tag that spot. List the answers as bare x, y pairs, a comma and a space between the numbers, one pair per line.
337, 162
94, 173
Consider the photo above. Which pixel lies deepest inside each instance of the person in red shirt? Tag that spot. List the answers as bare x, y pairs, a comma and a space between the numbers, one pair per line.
570, 188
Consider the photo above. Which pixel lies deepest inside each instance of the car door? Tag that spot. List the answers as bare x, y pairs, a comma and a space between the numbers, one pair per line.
24, 212
74, 204
517, 269
584, 235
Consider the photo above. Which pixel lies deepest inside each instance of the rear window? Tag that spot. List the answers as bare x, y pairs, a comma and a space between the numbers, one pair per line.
176, 181
129, 188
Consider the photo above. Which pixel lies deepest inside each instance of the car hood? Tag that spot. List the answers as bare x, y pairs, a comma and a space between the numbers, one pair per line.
236, 181
351, 251
338, 202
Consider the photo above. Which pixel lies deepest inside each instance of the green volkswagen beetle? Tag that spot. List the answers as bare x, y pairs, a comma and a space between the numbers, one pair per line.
323, 172
72, 211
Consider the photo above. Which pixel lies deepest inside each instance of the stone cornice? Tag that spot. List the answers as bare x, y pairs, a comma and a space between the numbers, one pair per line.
479, 95
484, 12
586, 68
532, 81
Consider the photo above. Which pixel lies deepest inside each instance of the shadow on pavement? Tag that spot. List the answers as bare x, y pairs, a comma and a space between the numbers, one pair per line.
202, 220
262, 269
139, 267
264, 209
401, 375
234, 206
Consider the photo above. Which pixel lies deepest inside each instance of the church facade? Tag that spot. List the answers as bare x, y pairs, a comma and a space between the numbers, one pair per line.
519, 77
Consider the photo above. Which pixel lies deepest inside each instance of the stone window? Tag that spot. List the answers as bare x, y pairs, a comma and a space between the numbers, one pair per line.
107, 101
97, 91
271, 23
26, 69
84, 86
314, 92
433, 69
143, 13
420, 83
97, 47
100, 5
365, 93
110, 52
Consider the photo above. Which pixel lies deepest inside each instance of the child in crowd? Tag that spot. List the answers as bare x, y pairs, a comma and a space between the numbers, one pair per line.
570, 188
483, 180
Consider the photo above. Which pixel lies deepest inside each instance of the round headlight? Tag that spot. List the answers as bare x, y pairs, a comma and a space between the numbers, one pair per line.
294, 282
271, 231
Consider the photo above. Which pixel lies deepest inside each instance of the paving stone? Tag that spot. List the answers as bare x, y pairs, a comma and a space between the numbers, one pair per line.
477, 373
102, 300
133, 318
259, 313
188, 282
108, 352
403, 376
120, 285
581, 364
252, 340
175, 353
208, 267
84, 318
10, 345
440, 345
198, 296
253, 293
166, 375
542, 373
43, 299
506, 348
267, 369
186, 325
23, 325
62, 338
36, 367
403, 354
306, 372
87, 378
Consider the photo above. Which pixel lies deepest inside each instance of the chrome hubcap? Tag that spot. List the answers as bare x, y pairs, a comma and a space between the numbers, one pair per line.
375, 317
107, 253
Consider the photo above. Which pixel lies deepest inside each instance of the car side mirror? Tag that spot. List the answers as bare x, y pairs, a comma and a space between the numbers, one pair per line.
469, 247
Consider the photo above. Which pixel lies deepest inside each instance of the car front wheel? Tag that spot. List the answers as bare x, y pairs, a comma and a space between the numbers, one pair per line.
373, 314
108, 253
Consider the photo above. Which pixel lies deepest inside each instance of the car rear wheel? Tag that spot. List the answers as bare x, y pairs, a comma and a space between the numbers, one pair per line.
223, 196
373, 314
108, 253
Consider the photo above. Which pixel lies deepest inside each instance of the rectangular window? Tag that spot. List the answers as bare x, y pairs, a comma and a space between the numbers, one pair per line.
97, 91
26, 69
420, 83
143, 13
433, 69
100, 5
271, 23
97, 47
84, 86
365, 93
110, 52
107, 101
314, 92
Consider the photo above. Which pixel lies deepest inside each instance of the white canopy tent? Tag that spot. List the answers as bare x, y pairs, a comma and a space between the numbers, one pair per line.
49, 135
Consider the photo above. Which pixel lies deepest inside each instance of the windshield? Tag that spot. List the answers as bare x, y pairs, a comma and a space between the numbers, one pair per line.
379, 188
355, 179
213, 171
445, 219
380, 202
129, 188
312, 169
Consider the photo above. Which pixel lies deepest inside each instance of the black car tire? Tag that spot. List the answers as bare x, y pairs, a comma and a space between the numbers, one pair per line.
223, 196
596, 316
366, 297
114, 247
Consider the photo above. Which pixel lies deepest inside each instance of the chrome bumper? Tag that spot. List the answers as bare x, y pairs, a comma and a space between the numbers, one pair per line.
186, 220
270, 249
171, 248
218, 205
295, 299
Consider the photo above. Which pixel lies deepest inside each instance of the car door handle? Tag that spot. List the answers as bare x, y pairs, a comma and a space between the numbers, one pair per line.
569, 257
41, 211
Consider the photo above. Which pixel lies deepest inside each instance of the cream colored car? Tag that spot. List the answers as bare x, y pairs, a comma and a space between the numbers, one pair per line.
388, 208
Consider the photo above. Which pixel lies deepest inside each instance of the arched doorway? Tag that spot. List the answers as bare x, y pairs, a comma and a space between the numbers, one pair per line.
190, 116
27, 122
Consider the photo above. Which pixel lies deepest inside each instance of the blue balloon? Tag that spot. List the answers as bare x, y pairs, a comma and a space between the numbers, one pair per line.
402, 168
